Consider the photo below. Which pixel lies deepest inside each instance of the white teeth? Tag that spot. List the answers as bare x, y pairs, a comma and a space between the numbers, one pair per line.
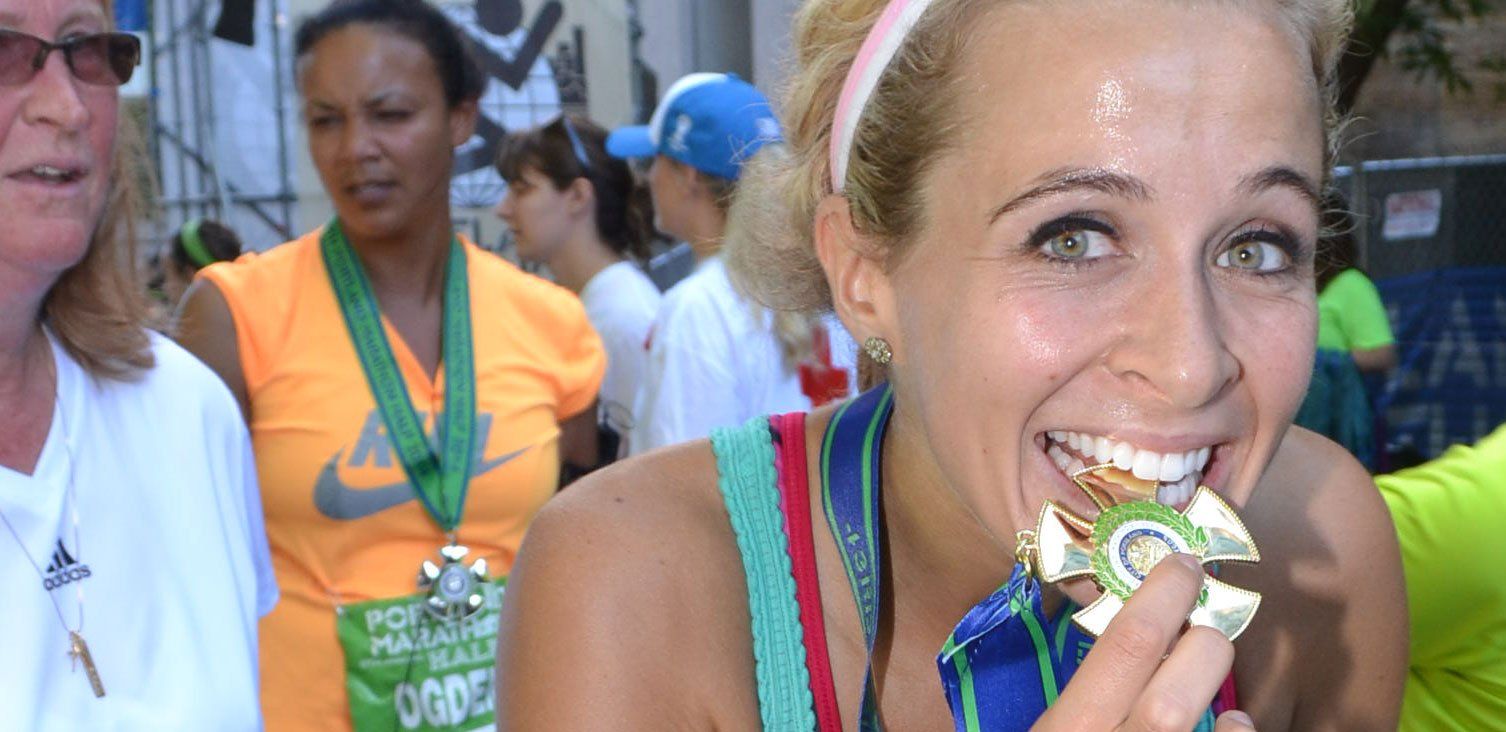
1147, 465
1073, 466
1103, 450
1058, 457
1178, 492
1173, 467
47, 171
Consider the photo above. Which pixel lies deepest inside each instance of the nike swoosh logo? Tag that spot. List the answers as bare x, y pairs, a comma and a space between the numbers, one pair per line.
338, 501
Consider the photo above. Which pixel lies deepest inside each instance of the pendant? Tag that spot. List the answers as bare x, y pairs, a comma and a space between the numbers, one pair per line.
79, 650
455, 589
1119, 549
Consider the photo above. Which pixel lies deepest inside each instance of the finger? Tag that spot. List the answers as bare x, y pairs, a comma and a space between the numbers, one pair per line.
1111, 678
1179, 693
1233, 721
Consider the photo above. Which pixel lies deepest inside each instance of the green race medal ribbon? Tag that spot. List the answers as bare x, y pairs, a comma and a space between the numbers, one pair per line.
424, 661
440, 480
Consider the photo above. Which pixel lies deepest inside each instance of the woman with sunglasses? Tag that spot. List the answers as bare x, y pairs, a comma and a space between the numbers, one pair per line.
410, 396
131, 548
582, 213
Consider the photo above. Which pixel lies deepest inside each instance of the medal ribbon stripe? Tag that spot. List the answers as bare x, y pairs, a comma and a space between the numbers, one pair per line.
460, 383
440, 486
1021, 607
831, 514
851, 478
965, 679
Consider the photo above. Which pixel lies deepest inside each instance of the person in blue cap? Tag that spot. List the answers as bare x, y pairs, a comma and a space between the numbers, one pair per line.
715, 358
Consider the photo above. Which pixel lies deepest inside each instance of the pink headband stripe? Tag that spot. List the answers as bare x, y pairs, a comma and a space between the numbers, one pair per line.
878, 49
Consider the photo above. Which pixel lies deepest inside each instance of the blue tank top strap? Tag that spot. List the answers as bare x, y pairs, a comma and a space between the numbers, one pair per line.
749, 483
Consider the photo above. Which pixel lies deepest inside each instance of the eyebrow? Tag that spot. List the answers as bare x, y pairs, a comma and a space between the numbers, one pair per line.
1281, 176
1066, 180
384, 96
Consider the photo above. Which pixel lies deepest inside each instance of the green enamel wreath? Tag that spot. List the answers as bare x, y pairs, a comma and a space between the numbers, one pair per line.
1115, 516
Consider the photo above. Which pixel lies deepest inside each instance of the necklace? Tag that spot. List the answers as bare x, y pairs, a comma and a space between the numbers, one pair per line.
78, 649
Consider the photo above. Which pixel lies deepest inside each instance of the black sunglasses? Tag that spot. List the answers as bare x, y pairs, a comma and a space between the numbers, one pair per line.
105, 59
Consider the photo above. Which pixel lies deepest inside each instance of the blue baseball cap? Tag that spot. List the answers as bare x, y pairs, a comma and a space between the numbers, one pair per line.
711, 122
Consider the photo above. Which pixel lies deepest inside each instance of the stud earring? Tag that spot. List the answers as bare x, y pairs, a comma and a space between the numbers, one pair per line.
878, 350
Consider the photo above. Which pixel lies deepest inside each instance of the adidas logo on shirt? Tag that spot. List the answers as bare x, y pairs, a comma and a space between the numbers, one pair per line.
63, 569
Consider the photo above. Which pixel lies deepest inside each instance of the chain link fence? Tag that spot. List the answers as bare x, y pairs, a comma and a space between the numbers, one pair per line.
1431, 233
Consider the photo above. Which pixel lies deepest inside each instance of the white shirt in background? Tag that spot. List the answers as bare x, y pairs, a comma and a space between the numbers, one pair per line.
714, 361
171, 556
621, 303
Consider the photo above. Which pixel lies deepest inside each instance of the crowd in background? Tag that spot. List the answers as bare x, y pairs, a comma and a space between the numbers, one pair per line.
402, 402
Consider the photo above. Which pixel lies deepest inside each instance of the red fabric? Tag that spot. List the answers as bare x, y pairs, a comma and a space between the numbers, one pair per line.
820, 381
794, 491
1227, 697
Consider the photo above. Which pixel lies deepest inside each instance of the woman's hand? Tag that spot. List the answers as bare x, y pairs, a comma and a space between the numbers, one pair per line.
1145, 674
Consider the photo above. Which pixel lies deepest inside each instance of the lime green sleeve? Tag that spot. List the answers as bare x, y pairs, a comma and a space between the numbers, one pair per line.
1356, 306
1450, 517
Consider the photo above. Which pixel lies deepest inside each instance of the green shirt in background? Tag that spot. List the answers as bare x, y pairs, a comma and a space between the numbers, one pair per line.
1350, 314
1450, 517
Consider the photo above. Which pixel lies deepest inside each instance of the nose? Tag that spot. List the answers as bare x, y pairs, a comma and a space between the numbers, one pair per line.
504, 209
1173, 344
55, 97
359, 143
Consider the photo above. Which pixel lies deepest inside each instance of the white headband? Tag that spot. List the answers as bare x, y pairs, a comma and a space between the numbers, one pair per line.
878, 49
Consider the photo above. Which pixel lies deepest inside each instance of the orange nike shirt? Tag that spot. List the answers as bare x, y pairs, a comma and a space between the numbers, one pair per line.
343, 522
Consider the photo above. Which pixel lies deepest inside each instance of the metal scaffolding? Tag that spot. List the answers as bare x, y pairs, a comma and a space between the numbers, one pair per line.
220, 152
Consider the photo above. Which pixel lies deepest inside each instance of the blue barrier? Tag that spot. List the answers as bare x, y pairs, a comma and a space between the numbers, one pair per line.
1450, 383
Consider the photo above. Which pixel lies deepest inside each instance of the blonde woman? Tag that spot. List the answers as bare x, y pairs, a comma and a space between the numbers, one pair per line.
132, 552
1073, 233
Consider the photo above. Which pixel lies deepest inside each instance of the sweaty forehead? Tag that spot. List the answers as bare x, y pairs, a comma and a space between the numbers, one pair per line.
1113, 83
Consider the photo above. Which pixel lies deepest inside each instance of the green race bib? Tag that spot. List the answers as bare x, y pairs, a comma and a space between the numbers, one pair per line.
406, 670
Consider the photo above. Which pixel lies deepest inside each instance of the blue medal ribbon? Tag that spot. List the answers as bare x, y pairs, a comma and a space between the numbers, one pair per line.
1005, 662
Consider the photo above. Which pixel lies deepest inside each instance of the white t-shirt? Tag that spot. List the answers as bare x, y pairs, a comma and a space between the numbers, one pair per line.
714, 361
621, 303
170, 555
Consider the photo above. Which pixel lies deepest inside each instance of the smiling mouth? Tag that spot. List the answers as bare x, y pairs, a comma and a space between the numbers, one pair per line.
1130, 473
50, 175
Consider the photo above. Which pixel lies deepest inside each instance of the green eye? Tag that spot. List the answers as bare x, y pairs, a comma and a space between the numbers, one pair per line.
1254, 256
1070, 244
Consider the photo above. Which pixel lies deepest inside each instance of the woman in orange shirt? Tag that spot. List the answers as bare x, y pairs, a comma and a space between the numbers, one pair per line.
397, 444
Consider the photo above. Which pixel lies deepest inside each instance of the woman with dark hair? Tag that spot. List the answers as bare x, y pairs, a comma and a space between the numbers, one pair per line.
131, 548
194, 246
584, 215
410, 396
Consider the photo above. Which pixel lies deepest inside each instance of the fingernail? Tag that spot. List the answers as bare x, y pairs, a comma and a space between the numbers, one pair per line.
1188, 561
1238, 717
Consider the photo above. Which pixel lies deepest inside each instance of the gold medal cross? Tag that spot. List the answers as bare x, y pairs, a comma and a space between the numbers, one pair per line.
1128, 539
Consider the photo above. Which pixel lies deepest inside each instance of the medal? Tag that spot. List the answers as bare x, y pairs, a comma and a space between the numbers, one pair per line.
1128, 539
455, 588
